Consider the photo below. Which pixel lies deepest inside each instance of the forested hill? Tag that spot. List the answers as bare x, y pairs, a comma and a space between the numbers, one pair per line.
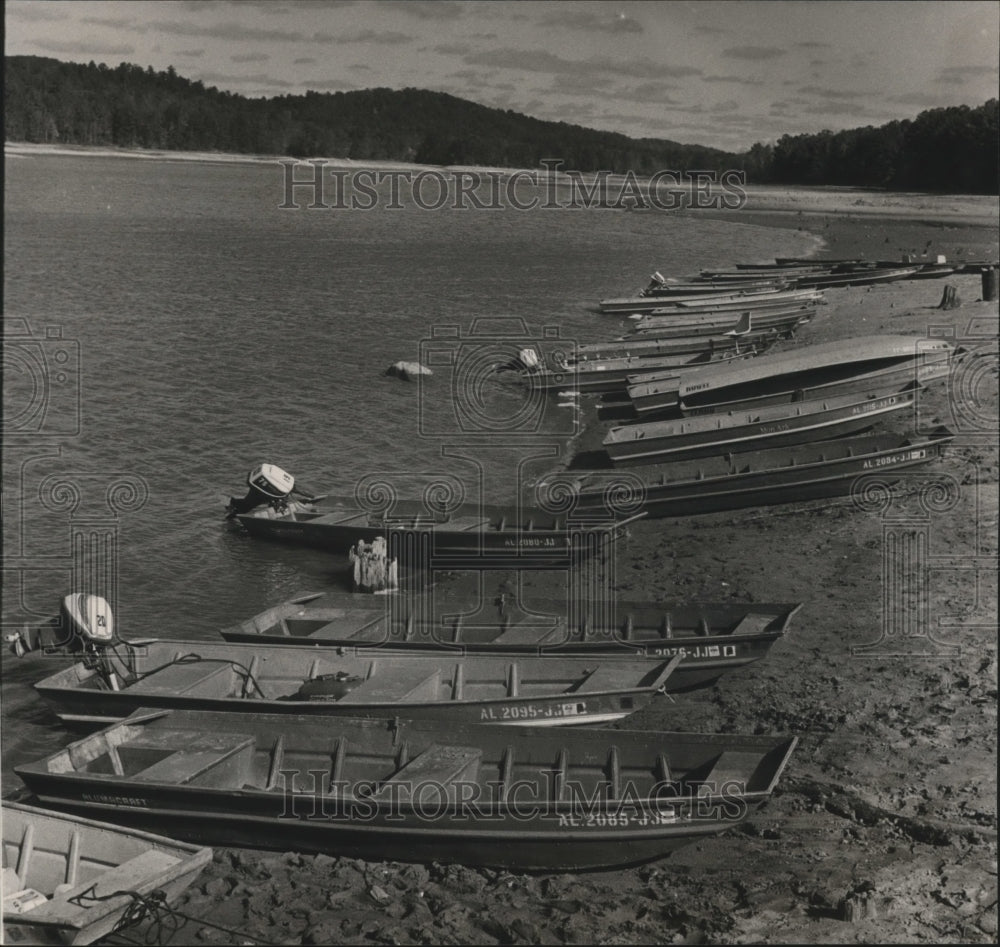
45, 100
128, 106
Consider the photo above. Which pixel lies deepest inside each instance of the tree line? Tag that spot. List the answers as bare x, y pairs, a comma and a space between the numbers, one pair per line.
48, 101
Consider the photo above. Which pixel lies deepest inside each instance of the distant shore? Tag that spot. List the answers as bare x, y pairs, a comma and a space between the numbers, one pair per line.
780, 201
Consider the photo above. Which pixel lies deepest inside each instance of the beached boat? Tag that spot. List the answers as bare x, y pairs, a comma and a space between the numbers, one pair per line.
740, 323
116, 676
630, 304
650, 347
761, 429
786, 475
698, 287
712, 638
470, 535
69, 880
866, 277
416, 790
611, 374
866, 365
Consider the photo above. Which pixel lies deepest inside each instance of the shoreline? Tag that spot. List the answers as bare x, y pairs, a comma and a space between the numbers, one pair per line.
769, 201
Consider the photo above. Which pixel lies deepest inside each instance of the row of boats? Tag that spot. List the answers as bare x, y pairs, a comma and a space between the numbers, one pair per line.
384, 733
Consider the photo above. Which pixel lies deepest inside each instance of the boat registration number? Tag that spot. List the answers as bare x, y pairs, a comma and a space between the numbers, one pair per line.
894, 459
616, 820
532, 712
700, 651
533, 541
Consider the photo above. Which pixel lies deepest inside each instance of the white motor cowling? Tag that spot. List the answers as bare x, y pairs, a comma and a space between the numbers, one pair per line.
269, 486
88, 617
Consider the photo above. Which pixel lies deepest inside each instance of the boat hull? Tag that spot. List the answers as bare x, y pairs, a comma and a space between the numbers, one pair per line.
470, 541
93, 854
802, 423
712, 639
416, 791
205, 676
823, 470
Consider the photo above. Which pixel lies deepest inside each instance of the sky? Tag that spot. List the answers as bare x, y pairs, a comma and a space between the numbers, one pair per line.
724, 73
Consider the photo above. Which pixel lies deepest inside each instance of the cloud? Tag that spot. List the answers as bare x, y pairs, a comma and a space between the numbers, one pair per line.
964, 73
303, 60
738, 80
922, 99
754, 52
424, 9
387, 38
855, 109
710, 30
546, 62
190, 53
654, 92
83, 48
592, 22
831, 93
231, 31
118, 23
250, 57
812, 44
453, 49
35, 13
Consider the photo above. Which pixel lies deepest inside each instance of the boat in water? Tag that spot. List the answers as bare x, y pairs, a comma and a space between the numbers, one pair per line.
786, 475
419, 791
711, 638
469, 535
116, 676
763, 428
68, 880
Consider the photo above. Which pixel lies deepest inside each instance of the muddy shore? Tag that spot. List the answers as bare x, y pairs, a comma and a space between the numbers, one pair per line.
883, 828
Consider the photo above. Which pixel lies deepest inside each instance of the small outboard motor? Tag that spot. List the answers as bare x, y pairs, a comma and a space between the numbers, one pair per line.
269, 486
86, 627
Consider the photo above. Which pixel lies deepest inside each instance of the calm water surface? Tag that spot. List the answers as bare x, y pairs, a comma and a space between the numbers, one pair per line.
217, 331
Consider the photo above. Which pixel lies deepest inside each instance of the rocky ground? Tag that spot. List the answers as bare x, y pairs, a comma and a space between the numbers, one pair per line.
883, 828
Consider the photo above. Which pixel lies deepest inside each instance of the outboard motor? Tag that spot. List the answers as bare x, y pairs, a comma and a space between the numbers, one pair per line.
85, 626
269, 486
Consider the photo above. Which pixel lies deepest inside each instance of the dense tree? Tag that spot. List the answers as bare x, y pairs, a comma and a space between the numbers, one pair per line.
45, 100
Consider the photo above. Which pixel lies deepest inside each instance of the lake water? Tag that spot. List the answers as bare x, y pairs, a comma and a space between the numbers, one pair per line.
214, 331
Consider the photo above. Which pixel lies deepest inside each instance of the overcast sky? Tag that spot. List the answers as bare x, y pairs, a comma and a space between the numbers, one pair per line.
725, 74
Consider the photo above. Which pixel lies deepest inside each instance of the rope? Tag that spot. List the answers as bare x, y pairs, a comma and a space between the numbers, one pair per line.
165, 921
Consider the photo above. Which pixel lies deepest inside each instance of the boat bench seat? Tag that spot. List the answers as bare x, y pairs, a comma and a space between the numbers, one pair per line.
468, 523
531, 633
733, 766
438, 766
608, 678
754, 623
339, 518
396, 685
221, 753
128, 876
348, 626
183, 678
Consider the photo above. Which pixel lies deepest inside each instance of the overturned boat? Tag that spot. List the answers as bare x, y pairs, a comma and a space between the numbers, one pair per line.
116, 676
712, 638
868, 365
415, 790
